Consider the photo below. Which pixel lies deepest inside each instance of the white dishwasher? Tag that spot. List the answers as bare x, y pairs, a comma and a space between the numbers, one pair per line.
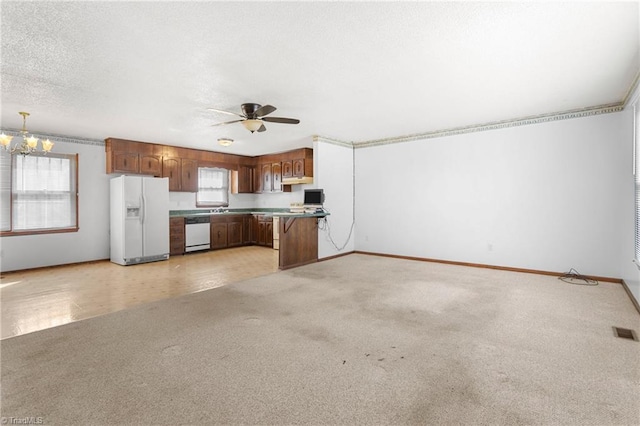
197, 233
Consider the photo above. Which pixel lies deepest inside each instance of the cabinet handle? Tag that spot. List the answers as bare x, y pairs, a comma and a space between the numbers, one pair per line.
218, 234
188, 175
149, 164
125, 162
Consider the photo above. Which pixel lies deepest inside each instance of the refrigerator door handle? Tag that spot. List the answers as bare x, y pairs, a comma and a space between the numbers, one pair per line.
143, 214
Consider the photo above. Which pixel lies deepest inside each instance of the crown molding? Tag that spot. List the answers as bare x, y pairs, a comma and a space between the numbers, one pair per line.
318, 138
496, 125
56, 138
631, 95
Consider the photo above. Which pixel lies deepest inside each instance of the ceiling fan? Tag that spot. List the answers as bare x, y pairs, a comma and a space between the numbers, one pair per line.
253, 117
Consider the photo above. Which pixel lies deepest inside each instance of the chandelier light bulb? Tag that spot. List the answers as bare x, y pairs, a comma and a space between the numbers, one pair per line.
28, 145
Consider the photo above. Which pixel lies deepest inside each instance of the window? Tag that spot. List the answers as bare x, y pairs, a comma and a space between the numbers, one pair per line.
38, 193
213, 187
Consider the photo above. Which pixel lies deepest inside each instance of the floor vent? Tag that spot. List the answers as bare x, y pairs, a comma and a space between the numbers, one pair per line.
625, 333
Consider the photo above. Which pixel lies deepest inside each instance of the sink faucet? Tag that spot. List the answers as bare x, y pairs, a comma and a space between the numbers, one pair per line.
218, 210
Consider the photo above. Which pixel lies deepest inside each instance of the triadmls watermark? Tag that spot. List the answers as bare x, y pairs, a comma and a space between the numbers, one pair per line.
29, 420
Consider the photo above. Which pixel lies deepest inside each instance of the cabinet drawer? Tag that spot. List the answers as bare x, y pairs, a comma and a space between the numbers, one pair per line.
176, 248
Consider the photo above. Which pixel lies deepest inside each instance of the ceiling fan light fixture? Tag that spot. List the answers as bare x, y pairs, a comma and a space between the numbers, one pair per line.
252, 125
225, 141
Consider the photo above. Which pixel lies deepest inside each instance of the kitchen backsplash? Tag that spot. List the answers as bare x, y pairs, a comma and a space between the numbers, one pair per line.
187, 200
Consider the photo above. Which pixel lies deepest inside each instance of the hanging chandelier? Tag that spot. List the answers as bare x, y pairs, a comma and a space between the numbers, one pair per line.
28, 145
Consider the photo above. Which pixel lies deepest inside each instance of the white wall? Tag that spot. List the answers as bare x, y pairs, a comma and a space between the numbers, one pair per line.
545, 196
629, 270
91, 242
333, 172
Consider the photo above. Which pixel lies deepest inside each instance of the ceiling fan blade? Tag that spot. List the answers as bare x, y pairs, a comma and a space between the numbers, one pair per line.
264, 110
227, 122
225, 112
261, 129
281, 120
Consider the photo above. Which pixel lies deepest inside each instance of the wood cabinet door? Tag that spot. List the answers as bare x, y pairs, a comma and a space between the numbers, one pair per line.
287, 169
171, 169
126, 162
176, 236
298, 167
246, 230
266, 178
245, 179
234, 234
262, 237
276, 177
257, 180
218, 235
151, 165
254, 230
189, 175
268, 233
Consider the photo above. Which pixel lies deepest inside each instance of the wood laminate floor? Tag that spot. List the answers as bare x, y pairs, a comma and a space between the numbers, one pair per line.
42, 298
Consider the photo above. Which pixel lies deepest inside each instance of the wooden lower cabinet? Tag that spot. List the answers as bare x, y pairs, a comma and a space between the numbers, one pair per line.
262, 230
247, 220
228, 230
218, 235
176, 236
265, 231
269, 232
234, 233
254, 229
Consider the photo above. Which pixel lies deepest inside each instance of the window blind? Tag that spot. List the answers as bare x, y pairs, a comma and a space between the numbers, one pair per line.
43, 191
5, 191
213, 187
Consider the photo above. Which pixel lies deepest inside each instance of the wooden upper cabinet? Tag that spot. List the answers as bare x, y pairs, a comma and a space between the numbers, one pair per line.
125, 162
189, 175
276, 177
298, 168
180, 168
246, 179
171, 170
151, 165
124, 156
261, 174
265, 176
287, 169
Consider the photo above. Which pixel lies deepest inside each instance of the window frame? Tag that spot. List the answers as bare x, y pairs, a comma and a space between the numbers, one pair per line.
222, 204
42, 231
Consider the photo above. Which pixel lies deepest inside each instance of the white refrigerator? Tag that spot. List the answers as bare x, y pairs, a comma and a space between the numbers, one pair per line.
139, 219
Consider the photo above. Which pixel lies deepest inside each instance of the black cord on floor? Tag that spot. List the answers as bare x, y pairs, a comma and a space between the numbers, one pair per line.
574, 277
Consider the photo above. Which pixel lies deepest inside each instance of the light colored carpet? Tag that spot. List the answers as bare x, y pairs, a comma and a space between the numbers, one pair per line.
355, 340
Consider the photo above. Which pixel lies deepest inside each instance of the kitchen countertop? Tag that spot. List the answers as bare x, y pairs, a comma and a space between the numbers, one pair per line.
261, 211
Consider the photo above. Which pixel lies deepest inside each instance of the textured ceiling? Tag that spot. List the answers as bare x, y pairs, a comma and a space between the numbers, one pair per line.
353, 71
